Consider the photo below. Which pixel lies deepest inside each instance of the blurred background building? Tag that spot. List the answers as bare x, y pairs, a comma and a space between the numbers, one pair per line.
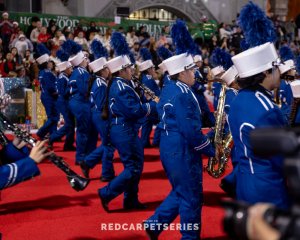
190, 10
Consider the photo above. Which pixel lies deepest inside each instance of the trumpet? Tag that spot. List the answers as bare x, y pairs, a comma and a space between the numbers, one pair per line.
143, 87
77, 182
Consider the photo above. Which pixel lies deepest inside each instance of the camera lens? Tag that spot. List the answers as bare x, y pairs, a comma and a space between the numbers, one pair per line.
235, 219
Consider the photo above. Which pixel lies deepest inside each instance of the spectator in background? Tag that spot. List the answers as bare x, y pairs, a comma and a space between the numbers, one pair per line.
17, 58
35, 33
297, 22
15, 32
58, 37
290, 27
6, 30
34, 21
70, 36
223, 32
29, 65
21, 73
131, 38
22, 44
81, 40
52, 31
136, 51
43, 36
106, 38
92, 29
8, 66
1, 45
78, 28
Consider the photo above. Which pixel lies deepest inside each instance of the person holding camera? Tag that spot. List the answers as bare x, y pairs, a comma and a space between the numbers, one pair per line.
20, 165
258, 179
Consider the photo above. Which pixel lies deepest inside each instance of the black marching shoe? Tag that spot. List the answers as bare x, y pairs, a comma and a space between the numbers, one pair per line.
85, 169
228, 188
128, 205
104, 203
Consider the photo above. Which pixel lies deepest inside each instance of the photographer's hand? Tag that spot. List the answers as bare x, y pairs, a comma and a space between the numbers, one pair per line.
257, 227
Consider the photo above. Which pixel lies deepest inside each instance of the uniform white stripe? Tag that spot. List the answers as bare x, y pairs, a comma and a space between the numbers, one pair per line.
11, 172
148, 108
203, 145
261, 101
245, 148
267, 99
15, 173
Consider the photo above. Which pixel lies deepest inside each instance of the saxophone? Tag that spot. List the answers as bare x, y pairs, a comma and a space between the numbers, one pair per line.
143, 87
216, 165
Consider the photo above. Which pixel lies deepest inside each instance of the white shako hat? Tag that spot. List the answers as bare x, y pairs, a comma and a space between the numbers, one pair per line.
256, 60
295, 85
179, 63
217, 70
42, 59
98, 64
230, 75
288, 65
162, 67
145, 65
77, 59
118, 63
63, 66
197, 58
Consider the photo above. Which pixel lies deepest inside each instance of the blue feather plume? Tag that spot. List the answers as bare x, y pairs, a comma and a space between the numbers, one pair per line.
221, 58
163, 52
298, 64
71, 47
182, 38
257, 27
145, 54
98, 49
42, 49
62, 55
286, 53
119, 44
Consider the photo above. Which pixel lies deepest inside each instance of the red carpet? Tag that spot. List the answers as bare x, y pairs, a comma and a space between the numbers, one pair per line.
48, 208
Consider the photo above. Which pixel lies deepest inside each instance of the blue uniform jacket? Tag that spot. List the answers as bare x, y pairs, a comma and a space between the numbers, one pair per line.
21, 169
98, 93
216, 91
149, 82
286, 97
125, 105
47, 83
185, 119
79, 83
62, 86
259, 179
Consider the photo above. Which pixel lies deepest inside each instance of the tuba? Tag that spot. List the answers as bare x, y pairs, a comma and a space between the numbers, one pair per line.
216, 165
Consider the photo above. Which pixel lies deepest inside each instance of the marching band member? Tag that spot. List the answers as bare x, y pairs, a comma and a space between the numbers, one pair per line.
208, 118
65, 69
180, 113
147, 77
228, 183
287, 72
216, 74
99, 81
125, 108
258, 179
80, 105
48, 93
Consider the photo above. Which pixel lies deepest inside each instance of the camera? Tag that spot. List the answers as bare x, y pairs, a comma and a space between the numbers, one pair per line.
269, 142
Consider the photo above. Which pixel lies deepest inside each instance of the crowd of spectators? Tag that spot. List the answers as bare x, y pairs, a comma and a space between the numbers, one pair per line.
17, 47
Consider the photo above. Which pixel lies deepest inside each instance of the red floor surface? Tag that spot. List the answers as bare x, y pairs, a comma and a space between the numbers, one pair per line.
48, 208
